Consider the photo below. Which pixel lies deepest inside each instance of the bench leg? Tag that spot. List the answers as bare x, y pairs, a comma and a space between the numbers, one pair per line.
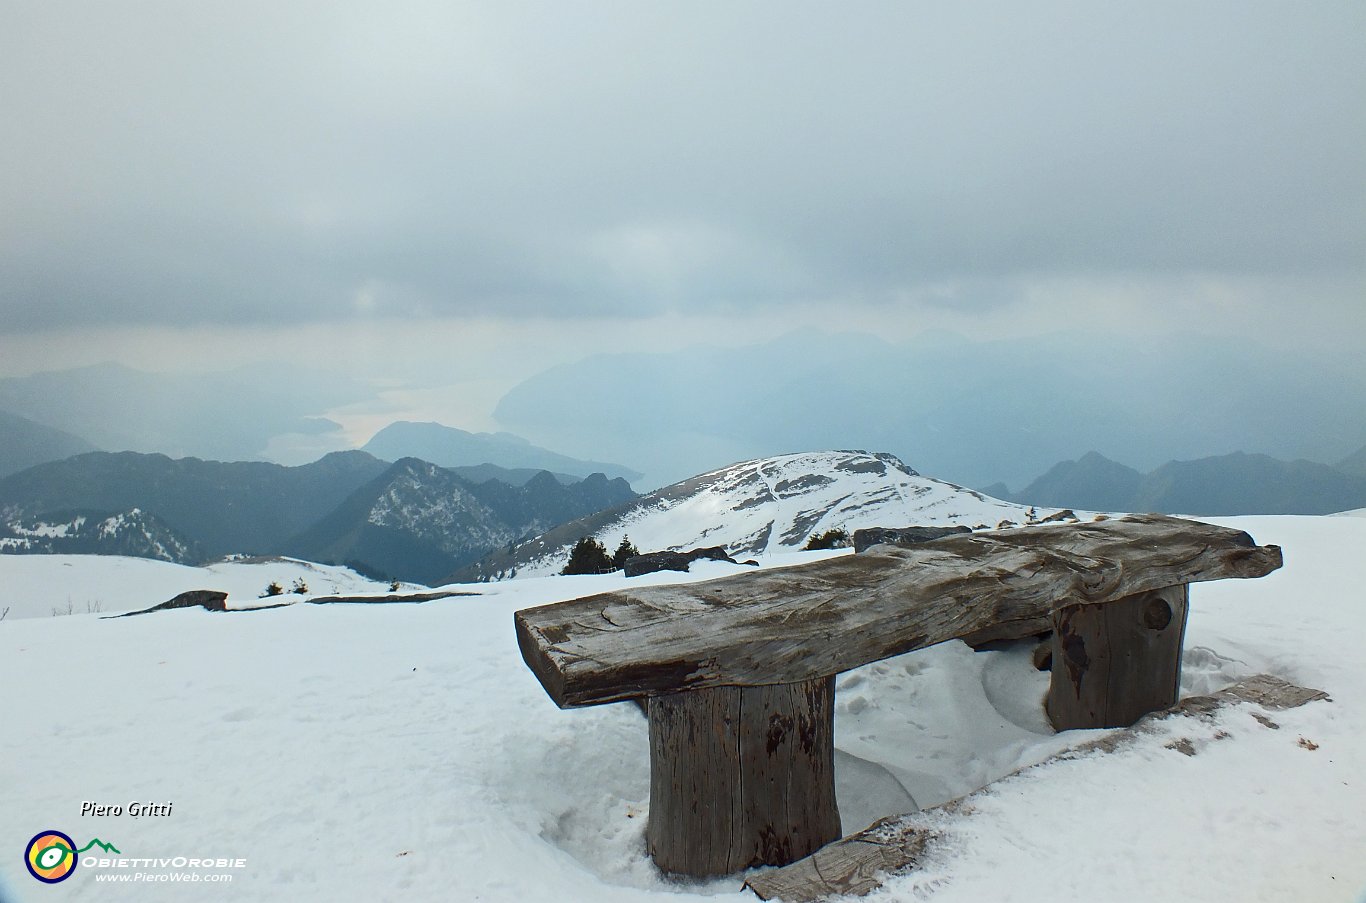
741, 776
1115, 662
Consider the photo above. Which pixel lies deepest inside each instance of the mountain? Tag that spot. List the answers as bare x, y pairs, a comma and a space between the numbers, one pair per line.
411, 520
231, 416
24, 443
1249, 484
1354, 464
760, 506
417, 521
973, 412
447, 446
513, 476
1093, 482
1236, 483
244, 507
134, 533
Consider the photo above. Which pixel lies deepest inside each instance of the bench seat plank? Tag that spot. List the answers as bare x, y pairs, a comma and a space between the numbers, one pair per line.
808, 621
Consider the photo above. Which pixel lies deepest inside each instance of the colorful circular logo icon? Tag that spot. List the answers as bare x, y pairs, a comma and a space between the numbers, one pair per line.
50, 856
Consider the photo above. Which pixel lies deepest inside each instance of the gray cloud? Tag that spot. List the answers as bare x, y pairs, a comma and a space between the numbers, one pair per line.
230, 163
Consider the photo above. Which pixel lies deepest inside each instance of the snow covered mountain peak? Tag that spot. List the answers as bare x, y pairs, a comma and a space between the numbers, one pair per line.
763, 506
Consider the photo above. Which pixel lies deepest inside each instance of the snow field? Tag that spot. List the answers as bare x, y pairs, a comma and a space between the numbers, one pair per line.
404, 752
32, 586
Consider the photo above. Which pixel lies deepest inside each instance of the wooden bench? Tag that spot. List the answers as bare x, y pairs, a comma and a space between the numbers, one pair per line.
739, 672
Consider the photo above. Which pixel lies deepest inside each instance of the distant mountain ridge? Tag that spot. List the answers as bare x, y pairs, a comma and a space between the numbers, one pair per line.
447, 446
249, 507
410, 520
135, 533
968, 411
1101, 484
419, 522
25, 443
1232, 484
230, 416
760, 506
1354, 464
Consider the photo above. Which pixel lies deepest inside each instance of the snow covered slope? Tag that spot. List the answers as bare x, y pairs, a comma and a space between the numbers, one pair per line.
760, 507
405, 753
40, 586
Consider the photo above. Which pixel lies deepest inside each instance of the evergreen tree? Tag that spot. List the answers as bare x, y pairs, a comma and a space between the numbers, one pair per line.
588, 557
624, 551
837, 538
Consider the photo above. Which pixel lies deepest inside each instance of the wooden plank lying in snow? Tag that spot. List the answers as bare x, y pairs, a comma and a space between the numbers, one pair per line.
799, 623
860, 863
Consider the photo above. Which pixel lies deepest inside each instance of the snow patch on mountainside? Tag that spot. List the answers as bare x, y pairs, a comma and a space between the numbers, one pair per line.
428, 499
132, 532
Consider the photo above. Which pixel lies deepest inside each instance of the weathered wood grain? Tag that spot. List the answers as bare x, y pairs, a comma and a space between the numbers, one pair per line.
794, 624
1114, 663
741, 776
861, 862
856, 865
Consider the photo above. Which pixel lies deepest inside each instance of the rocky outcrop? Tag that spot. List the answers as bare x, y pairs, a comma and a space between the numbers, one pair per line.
207, 599
652, 562
901, 536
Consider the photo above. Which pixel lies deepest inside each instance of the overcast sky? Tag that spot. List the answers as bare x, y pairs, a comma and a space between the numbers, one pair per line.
451, 197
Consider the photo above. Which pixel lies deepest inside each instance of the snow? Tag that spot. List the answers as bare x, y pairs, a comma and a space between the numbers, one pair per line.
50, 530
773, 505
39, 586
404, 752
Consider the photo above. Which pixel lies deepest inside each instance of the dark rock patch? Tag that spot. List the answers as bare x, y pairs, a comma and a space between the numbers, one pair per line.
901, 536
806, 521
854, 466
801, 484
652, 562
207, 599
213, 600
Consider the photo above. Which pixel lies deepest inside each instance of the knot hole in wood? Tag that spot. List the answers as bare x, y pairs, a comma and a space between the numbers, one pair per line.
1157, 614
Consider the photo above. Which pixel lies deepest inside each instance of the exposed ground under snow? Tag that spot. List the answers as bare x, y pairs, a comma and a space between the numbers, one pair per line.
404, 752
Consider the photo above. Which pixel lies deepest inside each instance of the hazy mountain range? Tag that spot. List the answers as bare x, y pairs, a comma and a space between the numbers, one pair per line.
1222, 485
232, 416
409, 520
247, 507
420, 522
450, 447
974, 412
24, 443
977, 413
